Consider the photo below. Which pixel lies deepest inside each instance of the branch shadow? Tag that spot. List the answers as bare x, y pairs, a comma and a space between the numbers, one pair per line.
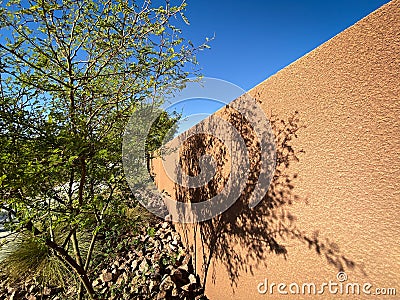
257, 231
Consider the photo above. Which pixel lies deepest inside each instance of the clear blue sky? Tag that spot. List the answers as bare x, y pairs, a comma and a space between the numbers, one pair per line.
255, 39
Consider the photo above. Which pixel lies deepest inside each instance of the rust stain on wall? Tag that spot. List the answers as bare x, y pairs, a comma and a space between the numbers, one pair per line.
335, 195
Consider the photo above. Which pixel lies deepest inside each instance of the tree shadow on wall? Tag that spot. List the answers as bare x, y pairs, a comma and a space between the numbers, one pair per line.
257, 231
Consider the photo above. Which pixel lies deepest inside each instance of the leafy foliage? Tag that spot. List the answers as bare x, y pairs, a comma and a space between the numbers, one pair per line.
72, 73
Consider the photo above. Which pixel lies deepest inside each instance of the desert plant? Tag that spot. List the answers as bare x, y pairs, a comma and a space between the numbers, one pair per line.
30, 259
72, 73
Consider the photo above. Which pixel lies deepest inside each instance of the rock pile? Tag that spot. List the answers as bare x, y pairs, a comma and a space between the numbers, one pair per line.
156, 267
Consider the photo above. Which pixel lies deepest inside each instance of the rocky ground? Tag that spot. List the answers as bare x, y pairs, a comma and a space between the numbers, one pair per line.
157, 267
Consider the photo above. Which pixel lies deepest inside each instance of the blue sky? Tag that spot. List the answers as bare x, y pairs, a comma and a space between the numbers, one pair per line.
257, 38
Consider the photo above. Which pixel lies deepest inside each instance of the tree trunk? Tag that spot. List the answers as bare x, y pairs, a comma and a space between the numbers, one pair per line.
63, 255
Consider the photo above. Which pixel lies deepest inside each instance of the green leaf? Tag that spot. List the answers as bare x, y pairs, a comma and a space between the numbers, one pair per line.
2, 178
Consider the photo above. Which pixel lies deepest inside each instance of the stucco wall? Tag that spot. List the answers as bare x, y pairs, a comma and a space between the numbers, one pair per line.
346, 92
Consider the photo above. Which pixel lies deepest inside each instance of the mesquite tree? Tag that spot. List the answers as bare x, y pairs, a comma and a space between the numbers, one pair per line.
72, 73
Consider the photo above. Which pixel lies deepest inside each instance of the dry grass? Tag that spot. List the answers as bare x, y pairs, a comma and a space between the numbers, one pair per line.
27, 258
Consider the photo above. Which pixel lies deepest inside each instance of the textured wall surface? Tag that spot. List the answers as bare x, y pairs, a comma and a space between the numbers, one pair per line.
346, 92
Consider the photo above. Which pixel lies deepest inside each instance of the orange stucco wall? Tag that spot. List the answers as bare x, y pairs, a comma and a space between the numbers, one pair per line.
346, 93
